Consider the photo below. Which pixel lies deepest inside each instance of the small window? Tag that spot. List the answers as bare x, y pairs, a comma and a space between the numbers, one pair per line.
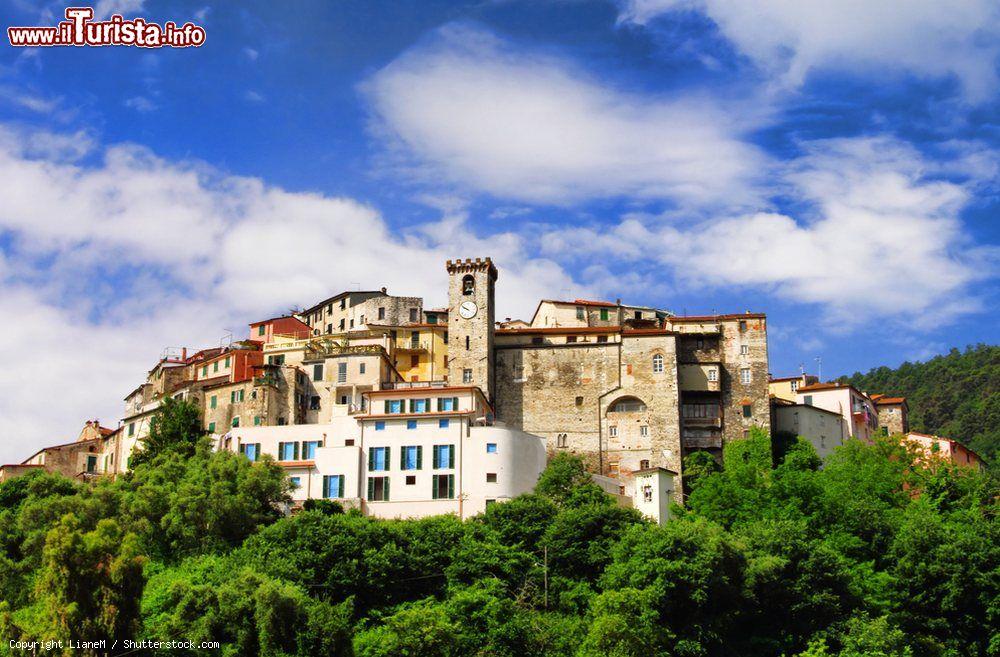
329, 328
341, 325
613, 431
579, 400
333, 486
361, 368
491, 448
602, 338
343, 303
467, 343
260, 329
411, 480
561, 441
699, 344
318, 372
658, 364
538, 340
743, 325
604, 314
491, 477
468, 284
352, 323
350, 442
131, 428
211, 427
747, 410
644, 464
443, 423
414, 360
644, 431
638, 314
745, 375
378, 458
744, 350
570, 339
713, 374
314, 403
413, 314
580, 314
256, 420
411, 424
236, 421
296, 482
213, 402
467, 376
379, 425
381, 312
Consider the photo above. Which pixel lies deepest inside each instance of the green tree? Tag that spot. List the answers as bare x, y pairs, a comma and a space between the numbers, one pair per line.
419, 629
175, 427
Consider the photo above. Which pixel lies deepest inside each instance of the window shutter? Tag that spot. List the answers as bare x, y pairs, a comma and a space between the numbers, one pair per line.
451, 487
451, 456
427, 404
385, 489
420, 457
296, 449
326, 486
371, 461
434, 487
387, 406
388, 459
434, 458
439, 404
371, 488
454, 403
402, 459
340, 485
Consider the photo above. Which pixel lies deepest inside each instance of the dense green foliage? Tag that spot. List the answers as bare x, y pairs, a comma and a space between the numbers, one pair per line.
955, 395
872, 555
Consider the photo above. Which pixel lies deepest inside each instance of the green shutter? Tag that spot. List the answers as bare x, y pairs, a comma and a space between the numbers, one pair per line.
402, 458
427, 405
211, 427
439, 403
451, 487
295, 450
434, 486
420, 457
454, 403
371, 460
340, 486
388, 458
387, 407
434, 458
326, 486
451, 456
385, 490
371, 488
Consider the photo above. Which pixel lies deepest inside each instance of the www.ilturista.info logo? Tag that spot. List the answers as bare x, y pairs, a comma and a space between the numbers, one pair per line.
79, 29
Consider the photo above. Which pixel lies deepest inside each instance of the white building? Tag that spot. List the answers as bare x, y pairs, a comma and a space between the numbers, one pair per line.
824, 429
419, 451
855, 407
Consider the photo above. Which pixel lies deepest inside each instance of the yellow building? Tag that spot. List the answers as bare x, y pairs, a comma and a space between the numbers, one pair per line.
787, 387
421, 352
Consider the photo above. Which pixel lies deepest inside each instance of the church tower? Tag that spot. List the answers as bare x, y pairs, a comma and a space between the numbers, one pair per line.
471, 316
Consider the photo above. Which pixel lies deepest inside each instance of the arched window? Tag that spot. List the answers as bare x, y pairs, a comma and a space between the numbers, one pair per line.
468, 284
658, 364
627, 405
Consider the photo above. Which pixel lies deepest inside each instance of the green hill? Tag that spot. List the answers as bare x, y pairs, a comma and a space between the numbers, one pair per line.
954, 395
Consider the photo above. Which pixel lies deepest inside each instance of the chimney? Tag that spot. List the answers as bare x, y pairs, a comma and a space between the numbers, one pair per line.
184, 353
383, 290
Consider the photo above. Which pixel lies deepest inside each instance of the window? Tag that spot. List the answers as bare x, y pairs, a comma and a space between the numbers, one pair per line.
309, 448
466, 343
638, 314
628, 405
491, 477
260, 329
414, 360
644, 464
296, 482
411, 424
604, 314
378, 489
276, 360
444, 423
602, 338
745, 375
379, 425
744, 350
747, 410
561, 440
352, 323
204, 370
211, 427
411, 458
411, 480
341, 325
213, 402
282, 421
250, 450
343, 303
91, 463
570, 339
227, 362
256, 420
420, 405
413, 314
579, 401
444, 457
538, 340
580, 314
314, 403
490, 503
491, 448
644, 431
215, 366
658, 364
318, 372
344, 400
381, 312
236, 396
378, 458
466, 376
361, 368
713, 374
236, 421
333, 486
288, 451
432, 319
341, 372
394, 406
447, 403
443, 487
468, 284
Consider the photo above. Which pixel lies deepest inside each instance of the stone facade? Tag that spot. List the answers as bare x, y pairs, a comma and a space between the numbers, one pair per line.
893, 415
471, 285
349, 311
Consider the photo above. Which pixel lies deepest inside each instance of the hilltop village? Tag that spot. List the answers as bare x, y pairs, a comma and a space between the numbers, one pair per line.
405, 411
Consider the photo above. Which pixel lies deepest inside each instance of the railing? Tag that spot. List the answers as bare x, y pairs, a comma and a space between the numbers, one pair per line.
403, 385
702, 442
413, 346
266, 381
702, 422
324, 351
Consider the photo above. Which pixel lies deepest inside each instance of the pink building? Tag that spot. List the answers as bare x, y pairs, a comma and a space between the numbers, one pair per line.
945, 449
857, 409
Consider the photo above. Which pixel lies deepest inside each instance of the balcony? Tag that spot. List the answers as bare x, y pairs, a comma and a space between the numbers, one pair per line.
423, 345
702, 440
702, 422
405, 385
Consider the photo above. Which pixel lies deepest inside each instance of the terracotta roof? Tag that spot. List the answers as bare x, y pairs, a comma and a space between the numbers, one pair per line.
882, 400
382, 416
818, 387
338, 297
715, 318
561, 330
274, 319
296, 464
394, 391
787, 378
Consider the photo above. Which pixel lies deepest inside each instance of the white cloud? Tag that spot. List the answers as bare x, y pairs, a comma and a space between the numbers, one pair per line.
140, 104
113, 260
127, 8
473, 110
882, 241
791, 38
251, 54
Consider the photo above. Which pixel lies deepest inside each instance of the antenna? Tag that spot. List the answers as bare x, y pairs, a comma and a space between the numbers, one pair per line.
802, 369
356, 286
819, 368
227, 339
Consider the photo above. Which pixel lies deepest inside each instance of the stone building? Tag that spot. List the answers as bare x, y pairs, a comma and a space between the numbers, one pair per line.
893, 415
348, 311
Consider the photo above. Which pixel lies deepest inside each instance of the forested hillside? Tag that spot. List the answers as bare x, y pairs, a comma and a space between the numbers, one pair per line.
956, 395
874, 555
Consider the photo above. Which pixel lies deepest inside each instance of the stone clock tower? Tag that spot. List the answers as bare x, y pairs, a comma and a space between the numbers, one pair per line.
471, 313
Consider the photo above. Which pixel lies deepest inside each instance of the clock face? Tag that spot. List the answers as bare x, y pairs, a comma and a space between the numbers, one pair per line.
468, 309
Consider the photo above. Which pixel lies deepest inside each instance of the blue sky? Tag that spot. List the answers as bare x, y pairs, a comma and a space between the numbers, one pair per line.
832, 166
